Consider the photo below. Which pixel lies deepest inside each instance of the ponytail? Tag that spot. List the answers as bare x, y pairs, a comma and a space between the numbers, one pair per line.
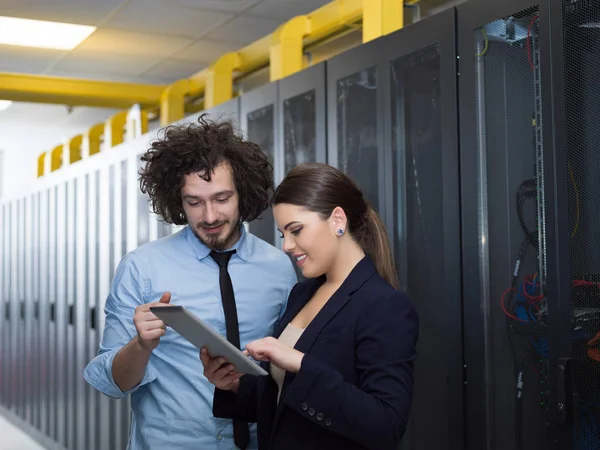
375, 243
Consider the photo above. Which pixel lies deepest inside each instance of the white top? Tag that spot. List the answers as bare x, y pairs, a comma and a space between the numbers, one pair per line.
289, 337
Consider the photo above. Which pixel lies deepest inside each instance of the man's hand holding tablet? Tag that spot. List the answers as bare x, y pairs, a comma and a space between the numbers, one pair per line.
202, 336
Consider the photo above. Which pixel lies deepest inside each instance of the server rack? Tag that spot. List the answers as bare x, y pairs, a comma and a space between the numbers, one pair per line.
509, 223
576, 319
258, 117
302, 135
302, 123
357, 86
422, 198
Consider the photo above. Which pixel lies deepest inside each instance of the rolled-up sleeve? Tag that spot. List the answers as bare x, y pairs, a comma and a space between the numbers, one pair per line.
128, 291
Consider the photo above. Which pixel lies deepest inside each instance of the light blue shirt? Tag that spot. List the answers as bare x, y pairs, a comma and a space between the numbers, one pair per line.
172, 405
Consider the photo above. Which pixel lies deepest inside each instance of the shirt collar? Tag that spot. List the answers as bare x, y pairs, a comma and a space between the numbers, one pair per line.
242, 246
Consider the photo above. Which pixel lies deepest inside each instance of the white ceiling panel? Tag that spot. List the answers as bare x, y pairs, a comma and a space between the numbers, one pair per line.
83, 12
45, 114
99, 62
245, 29
166, 18
16, 59
172, 70
133, 43
206, 51
234, 6
285, 9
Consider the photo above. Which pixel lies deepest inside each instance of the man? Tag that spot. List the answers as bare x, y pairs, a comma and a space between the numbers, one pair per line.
207, 177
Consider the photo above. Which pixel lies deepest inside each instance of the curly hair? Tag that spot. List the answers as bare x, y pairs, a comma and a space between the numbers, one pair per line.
201, 147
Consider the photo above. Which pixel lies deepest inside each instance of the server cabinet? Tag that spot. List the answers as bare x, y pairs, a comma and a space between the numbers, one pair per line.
302, 119
229, 110
258, 115
421, 160
575, 70
508, 225
302, 123
356, 93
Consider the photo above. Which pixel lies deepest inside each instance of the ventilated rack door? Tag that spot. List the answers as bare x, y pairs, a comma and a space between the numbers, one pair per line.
258, 121
356, 93
421, 159
509, 274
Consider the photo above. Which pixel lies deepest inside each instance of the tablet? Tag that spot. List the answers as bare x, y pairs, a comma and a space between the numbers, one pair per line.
201, 335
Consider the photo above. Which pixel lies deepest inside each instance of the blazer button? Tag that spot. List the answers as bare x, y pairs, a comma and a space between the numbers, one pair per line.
304, 406
320, 417
328, 422
311, 412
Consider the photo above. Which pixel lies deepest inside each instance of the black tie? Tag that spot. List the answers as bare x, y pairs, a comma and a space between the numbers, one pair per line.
241, 436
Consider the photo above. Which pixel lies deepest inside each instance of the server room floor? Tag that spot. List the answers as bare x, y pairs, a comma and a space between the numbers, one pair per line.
15, 439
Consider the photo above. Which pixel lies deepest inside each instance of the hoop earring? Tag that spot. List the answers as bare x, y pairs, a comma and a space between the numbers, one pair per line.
340, 232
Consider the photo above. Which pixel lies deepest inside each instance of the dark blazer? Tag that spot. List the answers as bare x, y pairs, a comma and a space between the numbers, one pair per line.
354, 389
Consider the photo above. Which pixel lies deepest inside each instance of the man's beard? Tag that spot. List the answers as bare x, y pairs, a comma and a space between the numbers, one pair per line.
219, 241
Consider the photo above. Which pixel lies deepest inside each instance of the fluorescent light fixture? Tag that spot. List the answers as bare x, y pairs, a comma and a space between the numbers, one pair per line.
42, 34
5, 104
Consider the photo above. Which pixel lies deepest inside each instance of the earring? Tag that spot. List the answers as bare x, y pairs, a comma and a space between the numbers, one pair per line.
340, 232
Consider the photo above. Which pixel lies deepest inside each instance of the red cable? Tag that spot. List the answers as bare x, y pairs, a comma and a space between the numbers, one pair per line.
504, 307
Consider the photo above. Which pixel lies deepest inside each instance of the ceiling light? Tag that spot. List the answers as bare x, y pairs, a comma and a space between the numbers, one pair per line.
42, 34
5, 104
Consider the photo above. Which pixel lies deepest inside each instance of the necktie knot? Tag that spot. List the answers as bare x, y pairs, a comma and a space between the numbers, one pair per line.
222, 259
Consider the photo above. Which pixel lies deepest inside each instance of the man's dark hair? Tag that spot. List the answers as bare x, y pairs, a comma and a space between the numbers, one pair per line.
201, 147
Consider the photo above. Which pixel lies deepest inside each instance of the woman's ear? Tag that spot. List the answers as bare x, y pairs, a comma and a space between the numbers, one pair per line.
338, 221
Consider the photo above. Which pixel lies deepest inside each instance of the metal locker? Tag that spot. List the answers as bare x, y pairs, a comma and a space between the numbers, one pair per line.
44, 317
115, 242
19, 332
104, 249
51, 353
29, 275
4, 296
123, 226
92, 218
14, 318
69, 313
35, 296
143, 217
80, 309
61, 279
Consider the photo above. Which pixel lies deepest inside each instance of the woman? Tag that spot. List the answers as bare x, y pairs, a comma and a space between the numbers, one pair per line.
341, 358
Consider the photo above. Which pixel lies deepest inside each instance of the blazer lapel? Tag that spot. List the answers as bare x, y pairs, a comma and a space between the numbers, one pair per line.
362, 272
297, 304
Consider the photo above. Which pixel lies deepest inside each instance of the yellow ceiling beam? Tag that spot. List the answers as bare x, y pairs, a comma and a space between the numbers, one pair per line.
219, 85
287, 50
381, 17
76, 92
328, 20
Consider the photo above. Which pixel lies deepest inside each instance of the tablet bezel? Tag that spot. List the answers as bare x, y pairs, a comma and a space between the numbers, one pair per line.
196, 331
